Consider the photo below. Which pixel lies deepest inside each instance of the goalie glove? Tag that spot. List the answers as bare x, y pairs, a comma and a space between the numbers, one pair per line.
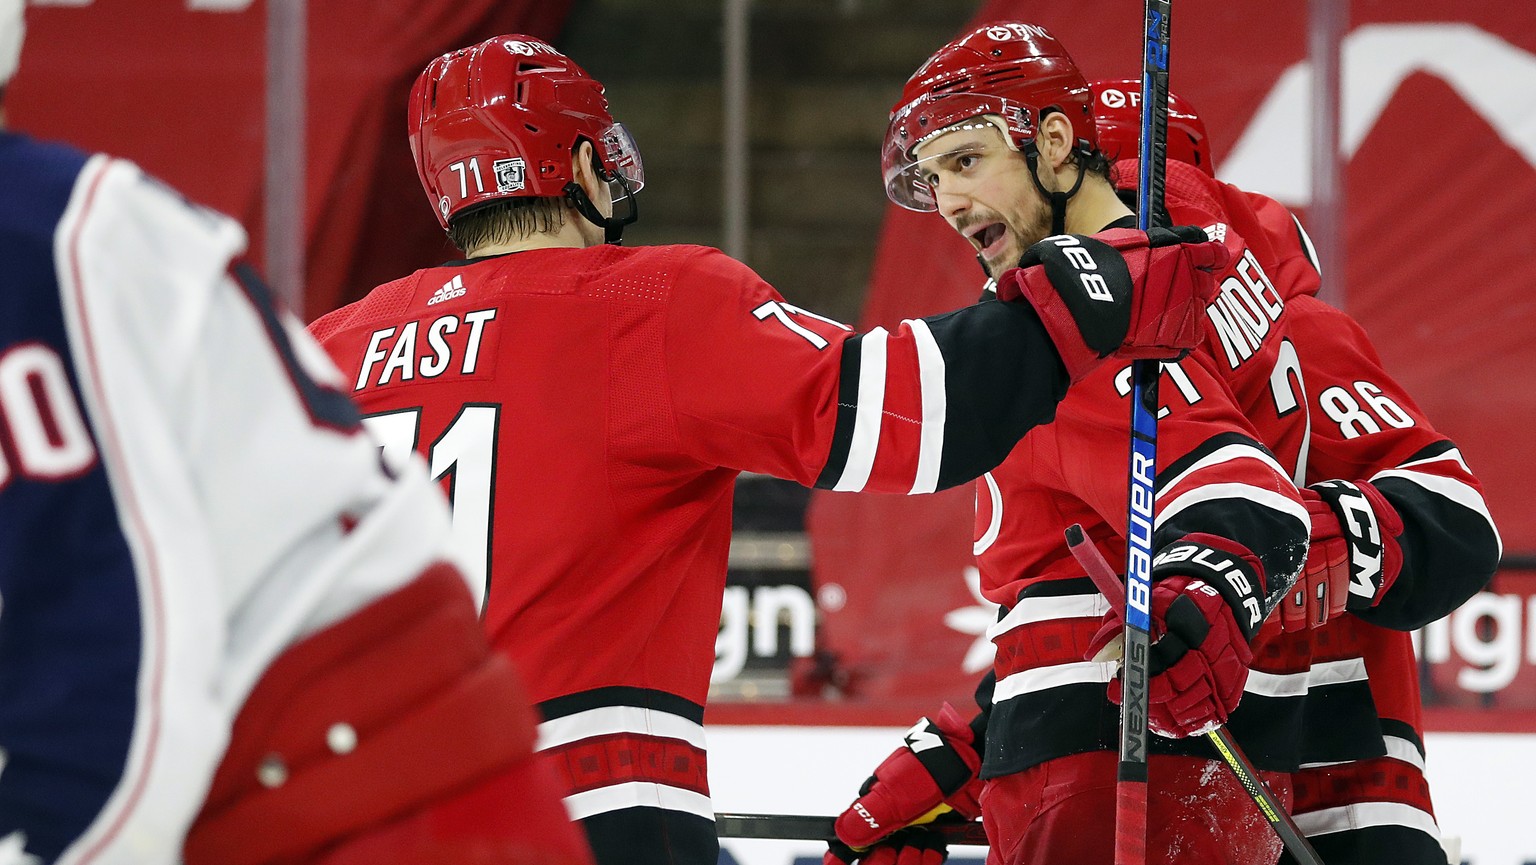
1207, 605
1121, 293
933, 771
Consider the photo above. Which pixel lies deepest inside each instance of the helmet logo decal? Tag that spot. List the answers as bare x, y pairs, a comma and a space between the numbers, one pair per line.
1014, 30
511, 174
442, 206
528, 49
1113, 98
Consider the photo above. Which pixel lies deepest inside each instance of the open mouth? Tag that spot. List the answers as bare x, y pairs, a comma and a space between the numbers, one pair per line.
989, 238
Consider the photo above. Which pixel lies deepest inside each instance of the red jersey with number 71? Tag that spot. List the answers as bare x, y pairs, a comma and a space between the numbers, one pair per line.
588, 410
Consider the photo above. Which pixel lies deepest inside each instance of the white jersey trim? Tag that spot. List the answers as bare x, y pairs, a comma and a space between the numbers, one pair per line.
1224, 454
1245, 492
1044, 678
1297, 684
1449, 488
989, 537
1361, 815
1398, 748
609, 720
868, 415
930, 373
637, 794
1046, 609
148, 798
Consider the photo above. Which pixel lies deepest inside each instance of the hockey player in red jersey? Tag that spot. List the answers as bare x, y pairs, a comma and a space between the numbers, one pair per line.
229, 636
591, 405
996, 133
1360, 795
1401, 535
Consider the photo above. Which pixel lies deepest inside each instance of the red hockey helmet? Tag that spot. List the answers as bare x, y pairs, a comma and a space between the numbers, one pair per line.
1117, 115
1009, 70
501, 119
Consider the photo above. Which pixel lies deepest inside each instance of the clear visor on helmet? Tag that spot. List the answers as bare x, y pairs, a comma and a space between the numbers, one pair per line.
621, 156
928, 117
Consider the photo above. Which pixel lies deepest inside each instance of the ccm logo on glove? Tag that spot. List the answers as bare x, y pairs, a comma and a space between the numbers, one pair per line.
1364, 537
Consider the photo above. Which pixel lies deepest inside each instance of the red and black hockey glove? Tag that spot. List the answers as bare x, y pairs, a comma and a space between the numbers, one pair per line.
1121, 293
911, 846
1354, 557
1322, 589
1207, 604
935, 769
1355, 526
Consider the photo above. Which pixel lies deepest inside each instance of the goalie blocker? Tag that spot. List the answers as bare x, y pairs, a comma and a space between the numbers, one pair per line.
336, 757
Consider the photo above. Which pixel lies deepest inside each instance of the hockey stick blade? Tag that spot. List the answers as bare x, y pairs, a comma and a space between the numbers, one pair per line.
797, 827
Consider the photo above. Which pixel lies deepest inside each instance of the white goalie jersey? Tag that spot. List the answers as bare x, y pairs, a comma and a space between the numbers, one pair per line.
182, 496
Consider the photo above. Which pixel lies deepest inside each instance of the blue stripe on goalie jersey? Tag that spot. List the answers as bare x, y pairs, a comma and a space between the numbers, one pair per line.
69, 608
326, 406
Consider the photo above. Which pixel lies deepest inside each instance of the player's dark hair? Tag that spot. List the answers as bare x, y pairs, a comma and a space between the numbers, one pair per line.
1093, 162
506, 220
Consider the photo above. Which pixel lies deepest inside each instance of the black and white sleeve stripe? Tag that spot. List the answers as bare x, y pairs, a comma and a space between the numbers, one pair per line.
1450, 544
1215, 489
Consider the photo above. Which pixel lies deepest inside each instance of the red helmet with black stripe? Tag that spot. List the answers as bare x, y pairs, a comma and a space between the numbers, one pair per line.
1117, 116
1006, 73
501, 120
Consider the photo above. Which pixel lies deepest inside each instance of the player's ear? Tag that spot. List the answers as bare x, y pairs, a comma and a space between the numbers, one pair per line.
584, 170
1055, 139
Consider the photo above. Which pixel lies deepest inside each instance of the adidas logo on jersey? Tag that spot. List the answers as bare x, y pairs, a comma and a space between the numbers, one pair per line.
451, 289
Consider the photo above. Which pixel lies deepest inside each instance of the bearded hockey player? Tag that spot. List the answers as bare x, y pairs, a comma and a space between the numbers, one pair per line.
227, 633
591, 405
996, 133
1401, 535
1373, 808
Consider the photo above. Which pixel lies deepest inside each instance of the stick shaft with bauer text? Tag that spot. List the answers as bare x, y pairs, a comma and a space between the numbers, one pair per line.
1131, 776
1274, 812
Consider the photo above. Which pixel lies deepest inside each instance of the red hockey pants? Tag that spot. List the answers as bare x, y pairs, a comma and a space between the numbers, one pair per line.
1063, 811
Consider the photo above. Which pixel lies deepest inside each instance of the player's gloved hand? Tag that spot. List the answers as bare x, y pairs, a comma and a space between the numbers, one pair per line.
1323, 587
911, 846
1121, 293
1354, 525
935, 768
1207, 604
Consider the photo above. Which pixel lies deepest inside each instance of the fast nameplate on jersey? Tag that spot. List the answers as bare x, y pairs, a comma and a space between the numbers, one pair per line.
1244, 309
449, 344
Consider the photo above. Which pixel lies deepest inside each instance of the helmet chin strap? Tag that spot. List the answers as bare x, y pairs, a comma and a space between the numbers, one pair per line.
612, 226
1057, 198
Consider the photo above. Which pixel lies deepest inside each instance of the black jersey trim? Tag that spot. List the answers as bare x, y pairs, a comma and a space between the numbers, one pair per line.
1002, 377
1175, 469
651, 836
847, 413
622, 695
1376, 845
1402, 730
